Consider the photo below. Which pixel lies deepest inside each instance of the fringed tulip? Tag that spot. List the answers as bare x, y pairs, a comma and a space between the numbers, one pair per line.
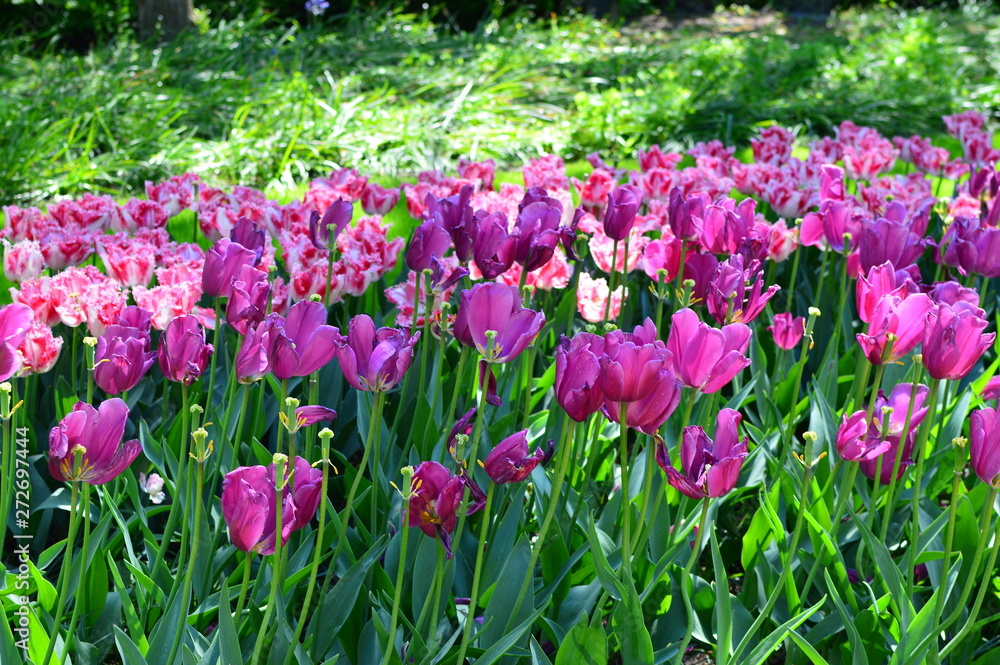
87, 445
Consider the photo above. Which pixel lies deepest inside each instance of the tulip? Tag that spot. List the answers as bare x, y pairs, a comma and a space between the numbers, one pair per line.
787, 330
725, 224
494, 249
884, 240
136, 317
249, 500
222, 264
377, 200
87, 445
578, 375
429, 242
890, 430
984, 446
828, 226
183, 352
39, 350
619, 217
300, 343
15, 321
246, 232
953, 340
703, 357
121, 358
650, 411
22, 260
495, 307
251, 362
455, 215
248, 300
853, 441
338, 215
537, 229
510, 462
374, 360
464, 426
729, 299
435, 496
881, 280
310, 415
708, 468
630, 365
903, 318
978, 251
683, 211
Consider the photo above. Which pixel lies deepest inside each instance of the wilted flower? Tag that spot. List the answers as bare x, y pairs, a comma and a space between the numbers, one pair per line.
510, 461
87, 445
708, 468
249, 500
731, 299
310, 415
435, 496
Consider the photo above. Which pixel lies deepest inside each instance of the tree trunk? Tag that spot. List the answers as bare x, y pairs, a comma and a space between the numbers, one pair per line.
164, 18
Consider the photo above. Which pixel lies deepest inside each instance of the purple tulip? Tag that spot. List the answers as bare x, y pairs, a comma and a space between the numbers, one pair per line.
121, 358
537, 230
429, 242
15, 320
619, 216
953, 340
300, 343
578, 375
729, 298
978, 251
183, 352
96, 434
884, 240
882, 431
683, 211
787, 330
374, 360
984, 446
338, 215
310, 415
435, 496
247, 233
249, 299
494, 248
828, 226
251, 360
703, 357
249, 500
708, 468
510, 462
724, 225
853, 441
136, 317
464, 425
455, 215
902, 317
222, 265
630, 366
650, 411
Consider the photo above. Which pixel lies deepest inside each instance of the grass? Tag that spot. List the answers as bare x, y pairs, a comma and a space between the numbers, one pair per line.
270, 106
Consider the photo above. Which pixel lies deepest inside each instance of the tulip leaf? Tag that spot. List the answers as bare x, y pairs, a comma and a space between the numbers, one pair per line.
162, 636
604, 572
887, 569
584, 645
808, 649
337, 606
917, 638
723, 605
538, 656
763, 652
128, 650
131, 618
501, 611
94, 593
47, 595
8, 650
630, 628
504, 646
229, 641
853, 636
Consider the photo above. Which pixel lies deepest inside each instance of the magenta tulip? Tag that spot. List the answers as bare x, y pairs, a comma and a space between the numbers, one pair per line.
121, 358
708, 468
703, 357
853, 441
953, 340
904, 318
338, 216
15, 321
787, 330
510, 461
374, 360
300, 343
222, 265
248, 299
435, 496
183, 352
984, 445
619, 216
94, 437
428, 243
731, 299
310, 415
578, 375
251, 363
650, 411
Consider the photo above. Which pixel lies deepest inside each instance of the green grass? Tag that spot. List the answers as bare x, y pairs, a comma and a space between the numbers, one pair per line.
271, 106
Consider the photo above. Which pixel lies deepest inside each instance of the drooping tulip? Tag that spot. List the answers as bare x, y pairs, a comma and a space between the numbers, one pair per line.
708, 468
374, 360
87, 445
890, 430
510, 461
703, 357
249, 499
183, 352
300, 343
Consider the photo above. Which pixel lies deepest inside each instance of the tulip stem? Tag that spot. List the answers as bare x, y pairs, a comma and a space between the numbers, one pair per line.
846, 490
890, 498
688, 607
795, 274
314, 572
279, 491
374, 441
472, 454
85, 505
312, 400
949, 539
398, 595
237, 615
564, 454
431, 608
425, 343
611, 281
626, 498
572, 294
595, 431
621, 310
647, 488
192, 563
67, 563
679, 286
7, 469
984, 526
470, 618
918, 452
173, 515
985, 584
220, 343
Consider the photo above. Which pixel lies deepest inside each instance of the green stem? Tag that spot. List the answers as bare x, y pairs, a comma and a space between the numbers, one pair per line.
919, 453
317, 552
179, 485
984, 532
679, 286
626, 498
67, 564
949, 538
595, 426
647, 489
7, 469
846, 491
470, 618
397, 597
238, 435
71, 632
279, 482
374, 441
611, 281
237, 615
472, 455
432, 608
795, 274
686, 577
985, 584
891, 497
220, 343
192, 563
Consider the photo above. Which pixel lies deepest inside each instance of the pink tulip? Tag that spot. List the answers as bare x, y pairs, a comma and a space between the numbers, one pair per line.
708, 468
703, 357
787, 330
98, 433
953, 340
